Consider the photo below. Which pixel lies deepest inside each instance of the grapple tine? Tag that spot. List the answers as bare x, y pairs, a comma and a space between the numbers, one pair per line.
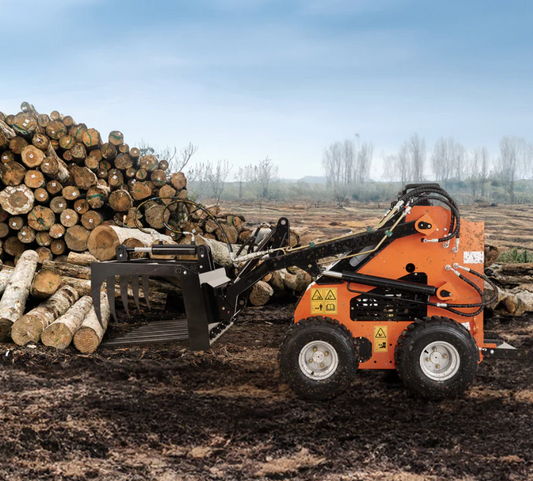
135, 289
111, 296
146, 288
124, 280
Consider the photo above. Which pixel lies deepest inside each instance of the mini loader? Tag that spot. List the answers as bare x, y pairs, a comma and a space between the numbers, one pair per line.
407, 294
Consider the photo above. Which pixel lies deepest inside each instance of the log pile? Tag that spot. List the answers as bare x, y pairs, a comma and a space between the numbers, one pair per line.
68, 196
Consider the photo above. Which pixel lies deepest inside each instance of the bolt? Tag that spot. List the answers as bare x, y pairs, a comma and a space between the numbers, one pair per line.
310, 361
445, 356
314, 349
326, 353
434, 349
428, 359
438, 366
322, 365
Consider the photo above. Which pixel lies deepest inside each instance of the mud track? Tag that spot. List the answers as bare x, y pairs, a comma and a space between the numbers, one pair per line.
164, 413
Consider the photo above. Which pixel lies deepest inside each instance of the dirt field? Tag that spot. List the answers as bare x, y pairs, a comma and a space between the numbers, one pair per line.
164, 413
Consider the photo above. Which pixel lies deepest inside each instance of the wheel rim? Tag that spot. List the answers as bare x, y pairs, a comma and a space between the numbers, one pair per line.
440, 361
318, 360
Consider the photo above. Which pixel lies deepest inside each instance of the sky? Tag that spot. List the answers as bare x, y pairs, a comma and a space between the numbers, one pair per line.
246, 79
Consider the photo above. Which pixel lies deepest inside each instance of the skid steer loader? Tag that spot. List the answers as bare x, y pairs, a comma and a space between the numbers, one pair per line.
407, 294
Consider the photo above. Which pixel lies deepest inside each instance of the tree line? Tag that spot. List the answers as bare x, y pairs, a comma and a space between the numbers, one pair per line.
348, 164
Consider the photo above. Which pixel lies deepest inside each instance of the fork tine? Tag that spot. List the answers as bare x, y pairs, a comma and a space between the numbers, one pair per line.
111, 295
146, 289
135, 289
124, 280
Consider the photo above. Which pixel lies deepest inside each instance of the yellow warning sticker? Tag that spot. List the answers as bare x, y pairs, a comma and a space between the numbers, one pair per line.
324, 300
381, 334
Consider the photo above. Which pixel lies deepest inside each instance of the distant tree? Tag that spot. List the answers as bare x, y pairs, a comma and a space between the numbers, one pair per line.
215, 176
345, 165
478, 168
416, 150
513, 162
402, 165
266, 172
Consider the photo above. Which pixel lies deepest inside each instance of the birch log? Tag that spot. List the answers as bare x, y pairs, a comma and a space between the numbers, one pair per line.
17, 200
30, 326
17, 291
89, 336
81, 258
104, 240
60, 333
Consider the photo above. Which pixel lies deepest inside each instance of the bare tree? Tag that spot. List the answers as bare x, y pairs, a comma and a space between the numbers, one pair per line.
333, 163
216, 175
448, 160
364, 162
402, 165
177, 160
416, 148
514, 159
266, 173
346, 164
478, 170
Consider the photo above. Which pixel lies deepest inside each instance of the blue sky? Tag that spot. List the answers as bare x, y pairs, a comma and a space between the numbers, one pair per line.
244, 79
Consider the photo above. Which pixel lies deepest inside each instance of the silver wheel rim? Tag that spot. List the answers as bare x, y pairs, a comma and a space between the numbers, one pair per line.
440, 361
318, 360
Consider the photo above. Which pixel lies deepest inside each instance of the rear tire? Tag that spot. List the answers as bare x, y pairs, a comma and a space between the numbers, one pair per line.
318, 358
437, 358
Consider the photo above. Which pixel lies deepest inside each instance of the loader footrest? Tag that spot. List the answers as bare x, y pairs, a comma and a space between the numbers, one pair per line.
155, 332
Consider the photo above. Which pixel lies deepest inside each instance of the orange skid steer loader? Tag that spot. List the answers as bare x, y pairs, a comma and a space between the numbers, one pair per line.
407, 294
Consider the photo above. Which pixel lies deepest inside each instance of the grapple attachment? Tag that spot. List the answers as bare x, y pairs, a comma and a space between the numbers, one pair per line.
197, 290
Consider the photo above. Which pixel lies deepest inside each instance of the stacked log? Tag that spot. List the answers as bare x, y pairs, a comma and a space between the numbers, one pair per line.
515, 283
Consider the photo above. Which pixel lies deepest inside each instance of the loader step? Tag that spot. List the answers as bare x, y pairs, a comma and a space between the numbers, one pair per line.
154, 332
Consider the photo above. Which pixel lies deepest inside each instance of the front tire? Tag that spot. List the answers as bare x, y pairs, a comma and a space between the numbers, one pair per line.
318, 358
437, 358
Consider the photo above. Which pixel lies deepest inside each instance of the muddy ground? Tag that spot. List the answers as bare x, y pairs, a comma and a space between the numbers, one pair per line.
163, 413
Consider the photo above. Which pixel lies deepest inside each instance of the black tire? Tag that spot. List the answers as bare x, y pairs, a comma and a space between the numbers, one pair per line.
340, 374
415, 371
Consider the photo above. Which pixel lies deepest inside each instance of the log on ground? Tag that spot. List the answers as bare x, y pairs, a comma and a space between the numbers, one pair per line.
89, 336
29, 327
60, 333
17, 291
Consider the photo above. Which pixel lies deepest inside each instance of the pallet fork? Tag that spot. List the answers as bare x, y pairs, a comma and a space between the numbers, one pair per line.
407, 285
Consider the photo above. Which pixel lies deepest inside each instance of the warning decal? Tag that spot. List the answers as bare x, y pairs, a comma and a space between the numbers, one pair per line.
324, 300
381, 338
317, 296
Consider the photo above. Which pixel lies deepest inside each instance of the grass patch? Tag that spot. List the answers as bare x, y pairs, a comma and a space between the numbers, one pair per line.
515, 256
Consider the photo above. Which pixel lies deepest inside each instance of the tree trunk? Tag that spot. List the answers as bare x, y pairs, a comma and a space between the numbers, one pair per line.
41, 218
89, 336
60, 172
12, 173
81, 259
97, 196
261, 293
58, 247
41, 195
46, 283
34, 179
16, 293
76, 238
120, 200
83, 177
26, 235
70, 192
30, 326
32, 156
17, 200
91, 219
104, 240
60, 333
69, 218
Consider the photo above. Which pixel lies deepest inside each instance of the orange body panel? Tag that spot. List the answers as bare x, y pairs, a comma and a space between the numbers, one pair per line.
391, 262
